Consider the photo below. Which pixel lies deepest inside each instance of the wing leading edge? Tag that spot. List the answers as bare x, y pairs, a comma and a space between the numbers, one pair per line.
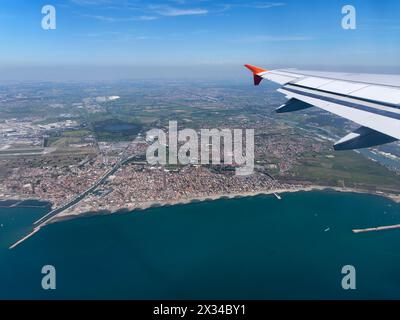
368, 100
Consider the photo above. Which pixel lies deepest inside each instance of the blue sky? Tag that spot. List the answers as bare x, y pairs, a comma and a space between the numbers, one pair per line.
206, 34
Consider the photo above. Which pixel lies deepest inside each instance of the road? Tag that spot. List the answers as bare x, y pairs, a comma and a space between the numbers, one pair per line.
49, 216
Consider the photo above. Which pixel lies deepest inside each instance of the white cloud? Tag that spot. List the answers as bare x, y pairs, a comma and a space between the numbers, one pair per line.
146, 18
175, 12
266, 5
113, 19
101, 18
253, 5
176, 8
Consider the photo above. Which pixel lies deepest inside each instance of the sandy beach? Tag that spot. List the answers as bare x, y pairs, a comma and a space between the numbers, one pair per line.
80, 211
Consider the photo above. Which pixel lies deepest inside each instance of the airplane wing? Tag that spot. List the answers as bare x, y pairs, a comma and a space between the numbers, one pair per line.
372, 101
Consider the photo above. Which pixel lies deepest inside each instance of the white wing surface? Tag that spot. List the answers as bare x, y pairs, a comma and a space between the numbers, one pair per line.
372, 101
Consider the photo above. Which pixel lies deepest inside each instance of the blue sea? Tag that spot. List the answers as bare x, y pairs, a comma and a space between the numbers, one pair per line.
248, 248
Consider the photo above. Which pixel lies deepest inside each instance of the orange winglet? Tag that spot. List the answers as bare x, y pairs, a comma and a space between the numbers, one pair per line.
256, 71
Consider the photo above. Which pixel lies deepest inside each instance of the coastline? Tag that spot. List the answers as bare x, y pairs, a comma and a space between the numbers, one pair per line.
73, 213
156, 204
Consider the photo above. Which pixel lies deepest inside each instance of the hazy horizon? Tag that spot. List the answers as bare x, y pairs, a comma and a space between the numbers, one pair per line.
115, 73
111, 40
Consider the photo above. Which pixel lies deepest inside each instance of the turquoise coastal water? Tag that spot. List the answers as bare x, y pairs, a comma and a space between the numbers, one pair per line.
250, 248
